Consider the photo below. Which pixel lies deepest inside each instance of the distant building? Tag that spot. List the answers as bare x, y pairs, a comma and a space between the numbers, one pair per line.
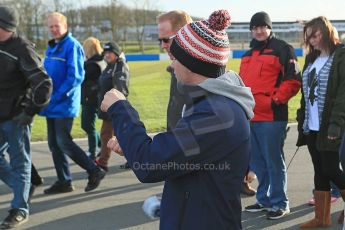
292, 32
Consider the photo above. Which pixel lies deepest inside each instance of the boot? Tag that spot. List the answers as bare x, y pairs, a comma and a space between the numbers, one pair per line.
322, 211
36, 179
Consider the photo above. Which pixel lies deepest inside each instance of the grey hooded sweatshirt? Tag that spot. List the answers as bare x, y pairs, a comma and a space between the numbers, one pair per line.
231, 86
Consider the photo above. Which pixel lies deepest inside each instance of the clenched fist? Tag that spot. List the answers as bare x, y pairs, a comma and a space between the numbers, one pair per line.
110, 98
114, 145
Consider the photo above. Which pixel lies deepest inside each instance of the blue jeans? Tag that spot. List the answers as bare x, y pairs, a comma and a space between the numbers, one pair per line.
60, 143
268, 163
15, 139
88, 124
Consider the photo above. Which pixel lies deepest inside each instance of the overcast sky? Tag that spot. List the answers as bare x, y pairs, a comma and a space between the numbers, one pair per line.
242, 10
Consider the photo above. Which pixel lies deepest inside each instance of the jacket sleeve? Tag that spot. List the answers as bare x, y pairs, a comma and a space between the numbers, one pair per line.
301, 139
75, 73
39, 83
337, 117
120, 78
158, 159
291, 76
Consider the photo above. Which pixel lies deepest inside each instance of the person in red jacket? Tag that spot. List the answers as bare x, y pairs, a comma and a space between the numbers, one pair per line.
271, 70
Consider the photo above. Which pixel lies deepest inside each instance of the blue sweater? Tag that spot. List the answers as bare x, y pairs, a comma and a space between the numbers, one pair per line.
64, 62
202, 161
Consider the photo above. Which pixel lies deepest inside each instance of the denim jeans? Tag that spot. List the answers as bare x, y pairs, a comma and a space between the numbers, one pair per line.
60, 142
268, 163
88, 124
15, 139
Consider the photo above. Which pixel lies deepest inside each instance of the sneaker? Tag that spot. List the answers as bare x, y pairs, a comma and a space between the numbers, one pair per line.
125, 166
311, 201
58, 187
37, 181
277, 214
95, 180
256, 208
333, 200
14, 219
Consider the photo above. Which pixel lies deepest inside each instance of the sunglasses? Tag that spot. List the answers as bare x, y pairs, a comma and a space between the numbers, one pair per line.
165, 40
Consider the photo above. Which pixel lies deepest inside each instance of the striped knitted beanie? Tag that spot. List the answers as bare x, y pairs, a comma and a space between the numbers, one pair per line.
203, 46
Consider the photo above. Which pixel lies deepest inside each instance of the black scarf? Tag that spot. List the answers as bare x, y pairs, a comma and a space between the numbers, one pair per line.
257, 44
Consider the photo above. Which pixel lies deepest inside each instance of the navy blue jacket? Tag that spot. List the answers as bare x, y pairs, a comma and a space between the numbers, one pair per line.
202, 161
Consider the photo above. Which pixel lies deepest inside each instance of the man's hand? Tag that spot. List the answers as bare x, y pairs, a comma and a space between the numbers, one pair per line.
114, 145
23, 118
249, 177
110, 98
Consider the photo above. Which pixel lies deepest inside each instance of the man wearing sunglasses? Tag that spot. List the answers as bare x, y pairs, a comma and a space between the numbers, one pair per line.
168, 25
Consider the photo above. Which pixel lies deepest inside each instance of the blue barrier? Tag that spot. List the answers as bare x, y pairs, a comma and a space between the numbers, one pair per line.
142, 57
238, 53
299, 52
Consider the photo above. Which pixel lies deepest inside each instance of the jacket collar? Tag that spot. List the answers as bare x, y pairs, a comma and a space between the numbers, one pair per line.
254, 44
52, 43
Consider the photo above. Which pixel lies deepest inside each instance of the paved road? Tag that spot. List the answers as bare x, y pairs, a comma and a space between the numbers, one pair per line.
116, 204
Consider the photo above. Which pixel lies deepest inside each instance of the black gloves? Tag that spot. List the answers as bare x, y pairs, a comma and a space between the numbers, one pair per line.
23, 118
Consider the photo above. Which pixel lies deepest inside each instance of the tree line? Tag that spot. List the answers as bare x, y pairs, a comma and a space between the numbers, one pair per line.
112, 17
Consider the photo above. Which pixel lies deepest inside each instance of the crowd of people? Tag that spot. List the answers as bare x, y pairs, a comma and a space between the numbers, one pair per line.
236, 122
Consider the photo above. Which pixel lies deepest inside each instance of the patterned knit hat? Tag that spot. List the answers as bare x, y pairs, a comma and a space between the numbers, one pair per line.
203, 46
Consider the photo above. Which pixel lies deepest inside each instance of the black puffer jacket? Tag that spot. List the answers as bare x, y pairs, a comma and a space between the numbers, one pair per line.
24, 84
115, 76
94, 66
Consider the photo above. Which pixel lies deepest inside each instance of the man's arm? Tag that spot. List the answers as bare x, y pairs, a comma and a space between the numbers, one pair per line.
291, 78
172, 154
75, 73
39, 83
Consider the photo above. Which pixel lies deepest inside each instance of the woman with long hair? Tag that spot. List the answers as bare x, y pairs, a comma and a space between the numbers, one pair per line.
94, 65
321, 118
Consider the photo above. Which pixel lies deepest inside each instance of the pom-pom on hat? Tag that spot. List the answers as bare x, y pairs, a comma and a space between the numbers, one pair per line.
203, 46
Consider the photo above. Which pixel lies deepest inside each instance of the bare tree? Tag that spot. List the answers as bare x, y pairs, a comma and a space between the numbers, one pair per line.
143, 10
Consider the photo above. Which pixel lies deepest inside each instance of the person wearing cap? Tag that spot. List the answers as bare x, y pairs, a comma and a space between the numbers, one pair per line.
64, 62
271, 70
115, 76
168, 25
202, 160
25, 89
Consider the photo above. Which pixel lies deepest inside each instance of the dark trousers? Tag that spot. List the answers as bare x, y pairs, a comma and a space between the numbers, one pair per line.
88, 124
61, 144
326, 166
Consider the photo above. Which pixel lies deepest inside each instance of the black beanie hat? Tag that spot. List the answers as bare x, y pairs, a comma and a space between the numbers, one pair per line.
260, 19
112, 47
8, 18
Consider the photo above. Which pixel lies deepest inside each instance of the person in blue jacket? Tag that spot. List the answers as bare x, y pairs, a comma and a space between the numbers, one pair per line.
203, 160
64, 62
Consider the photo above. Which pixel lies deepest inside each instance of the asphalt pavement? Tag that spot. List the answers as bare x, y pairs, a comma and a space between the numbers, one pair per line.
116, 203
